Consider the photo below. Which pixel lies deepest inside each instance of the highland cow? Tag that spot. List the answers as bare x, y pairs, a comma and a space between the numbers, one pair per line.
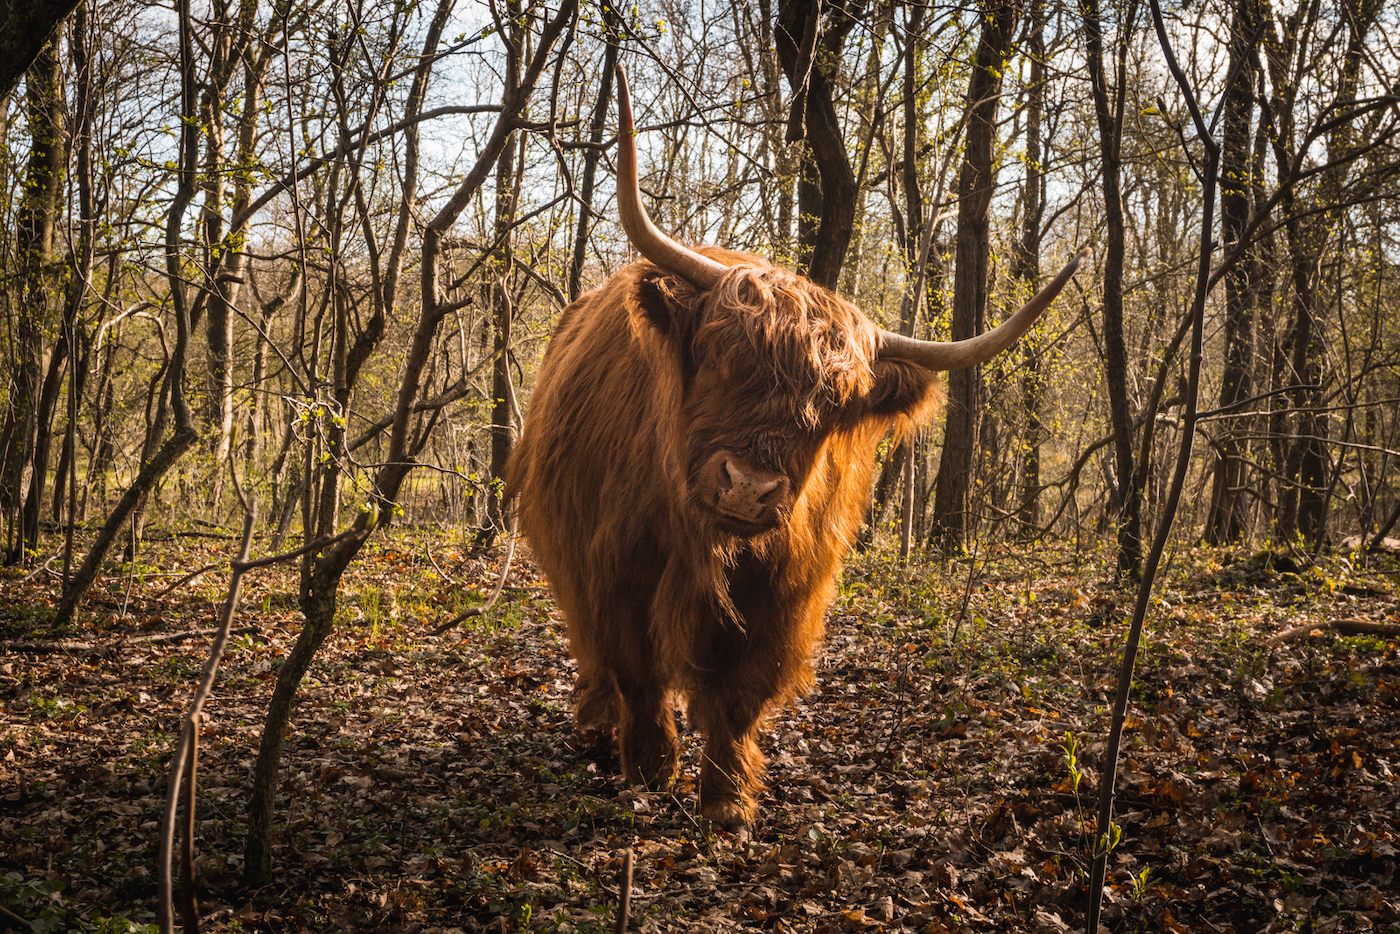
696, 463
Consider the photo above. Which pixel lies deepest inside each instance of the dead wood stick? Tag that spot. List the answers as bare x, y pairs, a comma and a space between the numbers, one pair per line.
427, 550
14, 919
624, 892
45, 648
48, 648
190, 634
37, 571
1349, 626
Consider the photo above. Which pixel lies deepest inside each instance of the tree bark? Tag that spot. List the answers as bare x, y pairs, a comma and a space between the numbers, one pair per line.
1309, 222
508, 174
598, 125
25, 29
84, 84
222, 291
154, 467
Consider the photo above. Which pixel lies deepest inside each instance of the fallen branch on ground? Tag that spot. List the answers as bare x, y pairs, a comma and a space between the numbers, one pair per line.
43, 647
47, 648
1349, 626
39, 570
190, 634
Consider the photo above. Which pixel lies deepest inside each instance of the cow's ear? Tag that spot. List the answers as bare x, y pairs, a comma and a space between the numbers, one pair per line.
902, 388
667, 304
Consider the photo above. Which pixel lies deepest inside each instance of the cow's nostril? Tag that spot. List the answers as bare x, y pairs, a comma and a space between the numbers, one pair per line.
729, 476
770, 493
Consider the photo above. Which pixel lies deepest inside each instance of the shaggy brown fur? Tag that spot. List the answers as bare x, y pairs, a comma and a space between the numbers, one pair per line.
647, 390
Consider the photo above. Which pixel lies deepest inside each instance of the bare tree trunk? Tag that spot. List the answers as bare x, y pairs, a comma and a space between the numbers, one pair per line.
65, 350
1025, 267
103, 448
321, 586
222, 291
776, 189
976, 182
1309, 224
253, 428
914, 211
184, 434
892, 470
870, 101
43, 444
827, 189
915, 233
1226, 521
83, 106
597, 127
508, 174
26, 432
1127, 498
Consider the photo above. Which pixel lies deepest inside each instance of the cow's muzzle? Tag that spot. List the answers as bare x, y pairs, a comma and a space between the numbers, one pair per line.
746, 498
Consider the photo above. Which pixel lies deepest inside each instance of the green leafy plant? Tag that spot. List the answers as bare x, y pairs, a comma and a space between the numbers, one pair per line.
41, 901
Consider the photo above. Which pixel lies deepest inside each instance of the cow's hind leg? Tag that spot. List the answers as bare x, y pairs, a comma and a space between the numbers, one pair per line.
596, 700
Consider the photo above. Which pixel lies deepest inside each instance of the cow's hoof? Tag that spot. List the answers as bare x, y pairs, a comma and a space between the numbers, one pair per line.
728, 814
659, 776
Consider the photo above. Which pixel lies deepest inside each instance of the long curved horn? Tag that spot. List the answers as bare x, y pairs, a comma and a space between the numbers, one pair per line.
700, 271
958, 355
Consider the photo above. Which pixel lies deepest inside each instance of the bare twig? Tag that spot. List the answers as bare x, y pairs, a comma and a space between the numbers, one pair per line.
1104, 837
37, 571
495, 594
427, 550
967, 592
1244, 403
317, 545
184, 759
15, 919
186, 579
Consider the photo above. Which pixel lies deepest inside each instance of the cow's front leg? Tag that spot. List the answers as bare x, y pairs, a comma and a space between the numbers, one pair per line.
732, 767
646, 735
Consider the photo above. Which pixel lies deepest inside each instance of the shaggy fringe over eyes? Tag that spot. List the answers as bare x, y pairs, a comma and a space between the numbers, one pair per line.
816, 346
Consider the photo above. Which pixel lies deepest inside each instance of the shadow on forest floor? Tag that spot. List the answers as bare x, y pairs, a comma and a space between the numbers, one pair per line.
939, 777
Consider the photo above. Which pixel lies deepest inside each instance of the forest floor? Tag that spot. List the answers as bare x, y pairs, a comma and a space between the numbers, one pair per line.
940, 776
